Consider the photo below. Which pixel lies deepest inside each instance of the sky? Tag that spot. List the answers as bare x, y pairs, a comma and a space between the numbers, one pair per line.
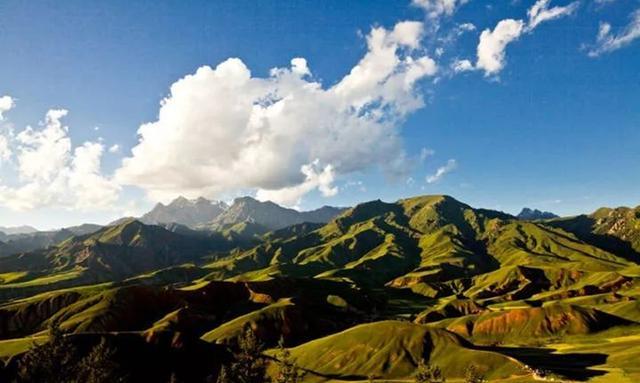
107, 108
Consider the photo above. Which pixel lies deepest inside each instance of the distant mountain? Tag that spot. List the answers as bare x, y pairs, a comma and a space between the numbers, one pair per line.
614, 229
85, 228
21, 243
533, 214
185, 212
245, 218
321, 215
25, 242
269, 215
117, 251
6, 249
18, 230
121, 220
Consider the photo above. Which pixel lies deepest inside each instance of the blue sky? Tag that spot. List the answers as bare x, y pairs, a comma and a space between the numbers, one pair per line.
556, 126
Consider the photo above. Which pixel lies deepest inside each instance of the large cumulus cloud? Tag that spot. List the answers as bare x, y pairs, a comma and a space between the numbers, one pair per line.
222, 129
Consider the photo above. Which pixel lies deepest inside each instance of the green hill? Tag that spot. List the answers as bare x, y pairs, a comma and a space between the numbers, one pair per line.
532, 325
369, 293
110, 254
434, 245
392, 350
616, 230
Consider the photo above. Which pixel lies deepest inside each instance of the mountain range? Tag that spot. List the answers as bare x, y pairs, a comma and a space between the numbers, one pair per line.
534, 214
245, 218
355, 294
185, 212
18, 230
33, 240
269, 215
203, 214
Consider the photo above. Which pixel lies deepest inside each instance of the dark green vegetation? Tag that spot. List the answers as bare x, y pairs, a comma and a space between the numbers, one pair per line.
426, 287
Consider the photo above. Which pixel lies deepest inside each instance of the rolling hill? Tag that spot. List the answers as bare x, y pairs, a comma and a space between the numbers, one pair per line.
365, 292
616, 230
392, 350
110, 254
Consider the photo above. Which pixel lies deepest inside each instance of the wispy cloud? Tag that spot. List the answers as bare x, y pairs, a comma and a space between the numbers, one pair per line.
608, 42
450, 166
435, 9
358, 185
6, 104
426, 153
540, 12
492, 45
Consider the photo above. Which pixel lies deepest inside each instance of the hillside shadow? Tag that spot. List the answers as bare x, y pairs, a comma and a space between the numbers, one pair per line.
402, 303
574, 366
583, 228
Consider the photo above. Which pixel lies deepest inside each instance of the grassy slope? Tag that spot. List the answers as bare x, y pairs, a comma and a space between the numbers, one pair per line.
392, 349
622, 350
525, 281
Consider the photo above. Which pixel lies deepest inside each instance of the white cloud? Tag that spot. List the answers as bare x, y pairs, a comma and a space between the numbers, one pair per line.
222, 129
492, 45
447, 39
359, 185
299, 66
5, 150
89, 187
50, 174
609, 42
438, 8
465, 27
44, 152
450, 166
462, 66
540, 12
115, 148
6, 104
315, 178
426, 153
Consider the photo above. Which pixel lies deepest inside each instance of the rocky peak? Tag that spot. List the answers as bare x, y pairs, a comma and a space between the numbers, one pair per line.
185, 212
534, 214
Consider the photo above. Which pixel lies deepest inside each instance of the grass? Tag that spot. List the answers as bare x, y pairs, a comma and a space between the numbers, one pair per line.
433, 258
12, 347
391, 349
11, 277
233, 328
623, 354
44, 280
